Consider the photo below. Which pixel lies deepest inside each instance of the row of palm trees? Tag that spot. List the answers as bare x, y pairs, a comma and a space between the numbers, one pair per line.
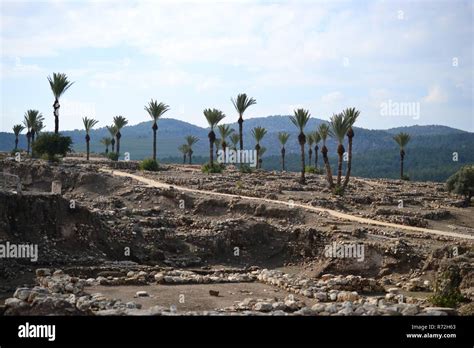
339, 127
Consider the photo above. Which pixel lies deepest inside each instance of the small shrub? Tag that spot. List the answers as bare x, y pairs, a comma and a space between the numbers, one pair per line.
405, 177
245, 168
149, 164
447, 293
52, 145
462, 183
214, 168
339, 190
113, 156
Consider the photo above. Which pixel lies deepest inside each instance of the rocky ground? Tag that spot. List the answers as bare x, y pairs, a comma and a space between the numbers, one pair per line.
122, 245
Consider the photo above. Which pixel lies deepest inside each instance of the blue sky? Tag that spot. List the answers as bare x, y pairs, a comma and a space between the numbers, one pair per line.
320, 55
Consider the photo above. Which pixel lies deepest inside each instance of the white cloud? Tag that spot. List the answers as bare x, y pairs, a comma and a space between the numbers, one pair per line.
435, 95
332, 97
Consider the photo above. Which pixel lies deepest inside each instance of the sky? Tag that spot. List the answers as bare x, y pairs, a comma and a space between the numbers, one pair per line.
400, 63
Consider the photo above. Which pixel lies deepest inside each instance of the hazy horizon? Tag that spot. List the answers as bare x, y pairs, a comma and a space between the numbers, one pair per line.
400, 63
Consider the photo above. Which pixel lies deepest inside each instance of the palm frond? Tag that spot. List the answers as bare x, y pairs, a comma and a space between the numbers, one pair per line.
59, 84
184, 149
156, 110
106, 141
112, 130
242, 102
323, 131
339, 125
89, 123
17, 129
402, 139
258, 133
225, 131
120, 122
300, 119
283, 137
213, 117
191, 140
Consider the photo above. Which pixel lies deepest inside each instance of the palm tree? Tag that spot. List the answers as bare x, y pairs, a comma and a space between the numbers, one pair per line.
323, 131
34, 122
224, 131
351, 115
339, 128
234, 138
258, 133
310, 145
283, 138
59, 84
88, 124
113, 132
241, 104
213, 117
317, 139
17, 129
300, 119
106, 141
190, 141
184, 149
27, 124
119, 123
402, 140
155, 110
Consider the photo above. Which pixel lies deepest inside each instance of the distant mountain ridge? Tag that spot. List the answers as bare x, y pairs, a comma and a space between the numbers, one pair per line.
433, 142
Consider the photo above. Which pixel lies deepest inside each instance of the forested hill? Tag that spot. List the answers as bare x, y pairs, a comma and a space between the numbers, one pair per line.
429, 155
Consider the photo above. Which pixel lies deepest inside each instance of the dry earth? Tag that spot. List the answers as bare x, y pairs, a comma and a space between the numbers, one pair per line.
113, 222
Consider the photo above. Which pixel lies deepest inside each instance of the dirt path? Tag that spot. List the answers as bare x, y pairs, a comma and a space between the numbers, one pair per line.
334, 213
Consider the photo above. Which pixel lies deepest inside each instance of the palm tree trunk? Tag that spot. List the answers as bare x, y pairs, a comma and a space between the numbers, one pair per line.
241, 135
16, 143
87, 145
211, 152
302, 179
184, 159
283, 158
113, 144
190, 155
56, 116
28, 137
106, 150
257, 150
154, 141
32, 142
340, 152
349, 163
402, 155
118, 143
310, 155
324, 151
316, 157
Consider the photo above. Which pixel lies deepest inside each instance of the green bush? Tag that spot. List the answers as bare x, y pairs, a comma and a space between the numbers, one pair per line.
338, 190
313, 170
450, 300
149, 164
462, 183
113, 156
214, 168
405, 177
245, 168
50, 145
